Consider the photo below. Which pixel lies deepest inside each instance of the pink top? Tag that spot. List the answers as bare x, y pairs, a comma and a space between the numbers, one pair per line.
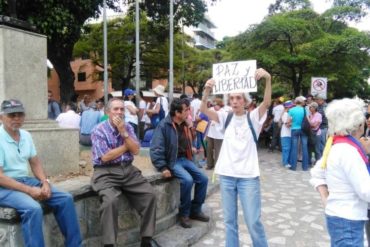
315, 120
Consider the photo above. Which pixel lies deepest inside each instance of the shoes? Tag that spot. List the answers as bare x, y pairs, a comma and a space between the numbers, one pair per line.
288, 166
149, 242
184, 222
201, 217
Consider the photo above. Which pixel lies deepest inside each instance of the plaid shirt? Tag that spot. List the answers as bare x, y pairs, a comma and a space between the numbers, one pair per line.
104, 138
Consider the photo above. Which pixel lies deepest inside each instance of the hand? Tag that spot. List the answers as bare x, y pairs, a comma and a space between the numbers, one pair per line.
119, 123
166, 173
45, 191
261, 73
35, 193
209, 85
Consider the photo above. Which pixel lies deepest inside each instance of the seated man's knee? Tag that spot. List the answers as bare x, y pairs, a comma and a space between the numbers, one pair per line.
109, 202
187, 182
33, 210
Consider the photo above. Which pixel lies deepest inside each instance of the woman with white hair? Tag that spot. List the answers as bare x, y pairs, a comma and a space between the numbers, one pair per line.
342, 175
237, 162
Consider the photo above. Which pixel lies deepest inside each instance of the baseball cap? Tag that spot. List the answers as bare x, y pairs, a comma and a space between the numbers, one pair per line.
11, 106
288, 104
128, 92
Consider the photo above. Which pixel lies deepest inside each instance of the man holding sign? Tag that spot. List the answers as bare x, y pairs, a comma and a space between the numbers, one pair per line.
237, 164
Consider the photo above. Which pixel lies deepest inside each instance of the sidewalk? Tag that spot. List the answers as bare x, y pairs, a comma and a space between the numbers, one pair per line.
292, 212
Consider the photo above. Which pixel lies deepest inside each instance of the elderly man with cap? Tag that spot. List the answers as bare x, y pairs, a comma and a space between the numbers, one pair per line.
315, 119
24, 193
320, 100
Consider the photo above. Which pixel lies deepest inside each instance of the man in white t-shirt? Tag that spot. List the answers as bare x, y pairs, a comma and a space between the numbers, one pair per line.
277, 112
161, 101
237, 163
131, 110
195, 105
69, 119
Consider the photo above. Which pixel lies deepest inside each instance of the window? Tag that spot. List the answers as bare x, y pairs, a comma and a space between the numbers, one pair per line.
81, 76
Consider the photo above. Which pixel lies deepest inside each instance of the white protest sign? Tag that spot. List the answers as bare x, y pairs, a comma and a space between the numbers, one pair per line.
234, 77
319, 86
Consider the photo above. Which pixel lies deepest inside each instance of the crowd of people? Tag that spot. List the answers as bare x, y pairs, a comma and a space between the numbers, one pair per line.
186, 136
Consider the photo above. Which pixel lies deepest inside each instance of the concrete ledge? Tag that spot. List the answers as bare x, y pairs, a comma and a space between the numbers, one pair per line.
87, 205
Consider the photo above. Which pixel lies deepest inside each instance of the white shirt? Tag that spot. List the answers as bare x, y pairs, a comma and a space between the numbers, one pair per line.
348, 182
285, 130
133, 118
143, 106
278, 111
238, 155
195, 107
216, 130
69, 119
164, 104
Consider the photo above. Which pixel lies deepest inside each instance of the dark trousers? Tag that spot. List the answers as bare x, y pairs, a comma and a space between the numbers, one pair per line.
275, 135
85, 140
213, 150
110, 182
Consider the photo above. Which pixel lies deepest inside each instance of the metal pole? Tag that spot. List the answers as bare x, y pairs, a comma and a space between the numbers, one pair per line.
137, 40
105, 53
170, 93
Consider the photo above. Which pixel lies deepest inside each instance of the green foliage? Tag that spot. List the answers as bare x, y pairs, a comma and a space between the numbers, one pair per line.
298, 45
281, 6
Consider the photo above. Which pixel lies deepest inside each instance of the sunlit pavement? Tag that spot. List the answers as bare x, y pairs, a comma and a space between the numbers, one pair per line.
292, 212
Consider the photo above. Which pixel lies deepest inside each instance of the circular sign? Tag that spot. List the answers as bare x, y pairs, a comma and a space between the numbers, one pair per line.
319, 85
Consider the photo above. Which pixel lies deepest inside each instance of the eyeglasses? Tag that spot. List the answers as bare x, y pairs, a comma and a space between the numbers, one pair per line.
15, 114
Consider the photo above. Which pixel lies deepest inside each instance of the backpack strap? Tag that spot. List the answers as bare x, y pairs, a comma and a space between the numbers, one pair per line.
252, 129
228, 119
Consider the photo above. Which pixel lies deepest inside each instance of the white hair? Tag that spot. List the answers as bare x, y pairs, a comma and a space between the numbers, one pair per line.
345, 116
246, 96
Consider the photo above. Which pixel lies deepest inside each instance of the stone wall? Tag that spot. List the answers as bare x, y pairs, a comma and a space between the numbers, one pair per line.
87, 206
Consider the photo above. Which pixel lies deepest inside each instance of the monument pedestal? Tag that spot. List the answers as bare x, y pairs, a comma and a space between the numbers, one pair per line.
23, 76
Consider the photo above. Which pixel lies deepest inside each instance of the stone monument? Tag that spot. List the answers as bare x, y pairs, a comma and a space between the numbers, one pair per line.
23, 76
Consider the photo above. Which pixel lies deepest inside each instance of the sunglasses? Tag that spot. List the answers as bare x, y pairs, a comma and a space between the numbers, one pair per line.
15, 114
367, 115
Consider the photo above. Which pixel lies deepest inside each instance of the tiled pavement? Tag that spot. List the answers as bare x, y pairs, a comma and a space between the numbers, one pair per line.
292, 212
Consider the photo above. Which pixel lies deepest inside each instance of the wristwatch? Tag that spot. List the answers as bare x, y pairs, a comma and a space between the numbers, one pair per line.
125, 135
45, 180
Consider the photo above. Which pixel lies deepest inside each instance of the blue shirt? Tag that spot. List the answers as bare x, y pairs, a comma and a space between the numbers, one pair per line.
297, 113
14, 156
89, 119
104, 138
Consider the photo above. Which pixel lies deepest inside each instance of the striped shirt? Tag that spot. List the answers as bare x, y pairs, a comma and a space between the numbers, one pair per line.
104, 138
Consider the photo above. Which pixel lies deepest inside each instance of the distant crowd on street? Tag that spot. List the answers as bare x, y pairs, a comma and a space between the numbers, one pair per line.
185, 137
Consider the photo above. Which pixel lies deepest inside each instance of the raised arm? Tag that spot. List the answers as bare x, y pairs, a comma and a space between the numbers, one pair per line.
261, 73
212, 115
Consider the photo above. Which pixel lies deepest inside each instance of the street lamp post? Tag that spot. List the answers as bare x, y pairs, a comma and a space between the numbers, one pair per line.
105, 52
170, 93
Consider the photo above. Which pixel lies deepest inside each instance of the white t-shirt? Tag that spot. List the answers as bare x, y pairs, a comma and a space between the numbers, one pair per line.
285, 130
133, 118
195, 106
277, 111
348, 182
238, 156
69, 119
143, 105
164, 104
216, 130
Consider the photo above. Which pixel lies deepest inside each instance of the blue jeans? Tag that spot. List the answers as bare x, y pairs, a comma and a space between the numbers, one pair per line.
188, 174
296, 134
249, 193
344, 233
323, 138
31, 213
285, 149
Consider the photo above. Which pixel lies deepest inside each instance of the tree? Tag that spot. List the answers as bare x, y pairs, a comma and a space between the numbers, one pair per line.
297, 45
281, 6
61, 21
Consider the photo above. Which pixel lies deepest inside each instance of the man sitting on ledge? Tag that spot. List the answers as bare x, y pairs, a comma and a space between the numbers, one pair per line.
171, 153
24, 193
113, 145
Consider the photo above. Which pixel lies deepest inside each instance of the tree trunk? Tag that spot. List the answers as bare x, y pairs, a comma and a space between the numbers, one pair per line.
61, 62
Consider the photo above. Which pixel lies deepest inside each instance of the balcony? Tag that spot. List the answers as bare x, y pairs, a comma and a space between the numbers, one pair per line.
204, 43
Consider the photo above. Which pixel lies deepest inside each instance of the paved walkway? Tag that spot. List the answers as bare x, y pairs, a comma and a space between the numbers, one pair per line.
292, 212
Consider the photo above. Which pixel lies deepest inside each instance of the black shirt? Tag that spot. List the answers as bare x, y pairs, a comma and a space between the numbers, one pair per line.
181, 140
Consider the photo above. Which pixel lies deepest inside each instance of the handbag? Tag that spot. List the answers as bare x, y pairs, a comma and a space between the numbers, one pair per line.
305, 127
202, 126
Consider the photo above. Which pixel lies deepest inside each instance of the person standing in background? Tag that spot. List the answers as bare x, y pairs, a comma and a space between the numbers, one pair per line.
53, 107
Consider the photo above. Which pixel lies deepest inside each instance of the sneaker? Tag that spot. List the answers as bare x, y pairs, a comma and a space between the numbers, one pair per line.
201, 217
288, 166
184, 222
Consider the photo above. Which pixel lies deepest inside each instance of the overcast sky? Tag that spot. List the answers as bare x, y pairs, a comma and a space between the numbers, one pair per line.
234, 16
